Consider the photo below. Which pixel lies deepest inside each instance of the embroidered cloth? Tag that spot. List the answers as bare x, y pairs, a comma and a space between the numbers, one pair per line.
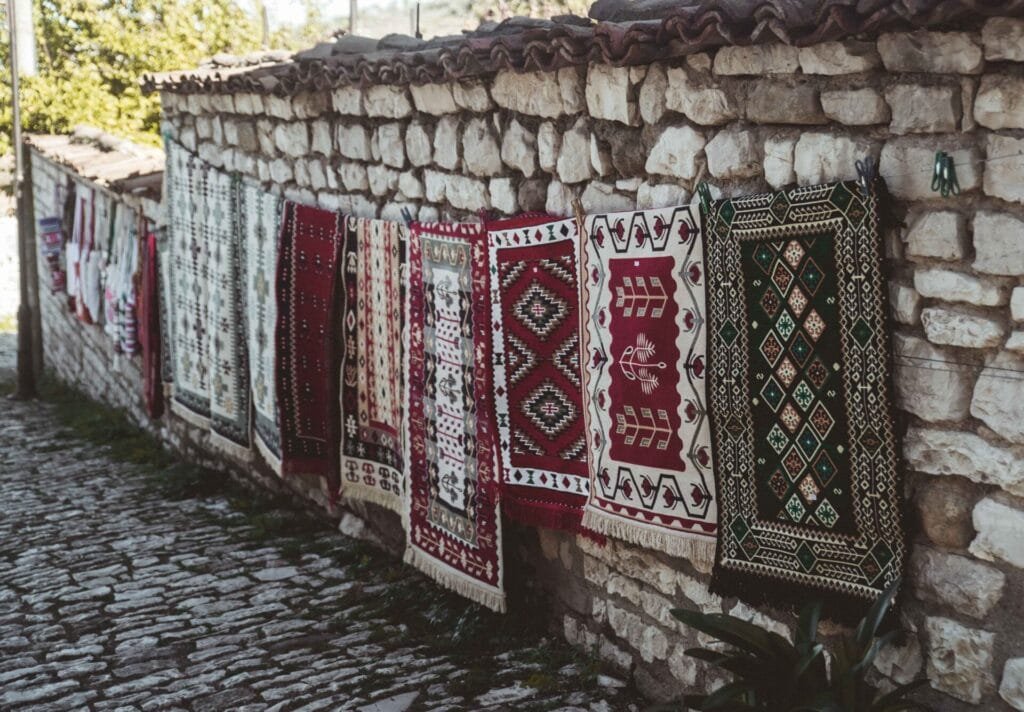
800, 397
373, 257
538, 401
229, 359
51, 249
306, 370
452, 520
189, 285
260, 216
149, 326
80, 252
649, 444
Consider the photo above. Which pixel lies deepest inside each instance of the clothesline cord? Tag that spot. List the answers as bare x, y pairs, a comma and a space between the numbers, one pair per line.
992, 371
790, 161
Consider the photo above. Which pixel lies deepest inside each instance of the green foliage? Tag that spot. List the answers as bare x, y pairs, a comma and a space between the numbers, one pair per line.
92, 53
772, 674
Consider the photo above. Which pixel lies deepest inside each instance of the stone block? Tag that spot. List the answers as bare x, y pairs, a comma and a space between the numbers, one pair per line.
959, 583
778, 161
533, 194
348, 100
952, 326
944, 505
547, 94
959, 659
600, 156
1004, 178
998, 243
281, 171
1015, 342
391, 144
954, 286
651, 100
265, 135
931, 52
999, 103
941, 234
905, 303
467, 193
410, 185
309, 105
503, 195
559, 199
676, 153
1011, 688
480, 153
906, 164
434, 183
835, 58
1000, 528
434, 99
1017, 304
683, 667
446, 143
780, 102
472, 96
383, 180
932, 391
323, 139
387, 101
855, 107
353, 176
549, 143
419, 144
600, 197
997, 400
702, 104
660, 195
757, 59
900, 663
956, 452
519, 148
1003, 39
923, 109
280, 107
354, 142
734, 153
574, 165
823, 157
610, 94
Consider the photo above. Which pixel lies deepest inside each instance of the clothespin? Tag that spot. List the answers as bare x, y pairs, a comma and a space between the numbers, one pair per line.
944, 178
704, 192
407, 215
866, 173
578, 212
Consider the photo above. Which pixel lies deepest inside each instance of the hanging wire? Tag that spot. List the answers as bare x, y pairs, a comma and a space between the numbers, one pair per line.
930, 169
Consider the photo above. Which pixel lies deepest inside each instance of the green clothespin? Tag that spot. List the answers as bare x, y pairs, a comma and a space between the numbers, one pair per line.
705, 196
944, 179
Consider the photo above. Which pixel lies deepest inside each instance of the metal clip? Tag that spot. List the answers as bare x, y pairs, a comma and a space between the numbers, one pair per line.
866, 173
944, 179
704, 192
406, 215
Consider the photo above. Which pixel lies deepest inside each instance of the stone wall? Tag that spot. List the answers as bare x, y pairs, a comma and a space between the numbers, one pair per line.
746, 119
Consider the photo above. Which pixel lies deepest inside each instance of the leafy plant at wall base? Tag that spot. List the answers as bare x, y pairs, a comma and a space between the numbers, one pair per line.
772, 674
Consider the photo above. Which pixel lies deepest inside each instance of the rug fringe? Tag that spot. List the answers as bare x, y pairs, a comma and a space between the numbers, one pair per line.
700, 550
373, 495
272, 460
455, 580
189, 416
229, 447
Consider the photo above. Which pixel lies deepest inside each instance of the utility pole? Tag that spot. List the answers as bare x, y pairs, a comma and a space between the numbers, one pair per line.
25, 387
353, 11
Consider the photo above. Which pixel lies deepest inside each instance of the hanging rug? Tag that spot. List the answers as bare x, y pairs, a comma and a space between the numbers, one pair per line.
643, 351
800, 399
373, 256
538, 401
452, 517
306, 367
260, 217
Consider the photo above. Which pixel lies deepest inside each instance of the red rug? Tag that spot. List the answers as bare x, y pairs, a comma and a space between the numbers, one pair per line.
538, 398
149, 327
452, 520
307, 374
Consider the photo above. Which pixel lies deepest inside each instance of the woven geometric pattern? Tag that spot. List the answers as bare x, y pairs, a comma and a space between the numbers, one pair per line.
373, 256
259, 213
538, 401
306, 366
800, 396
644, 394
452, 520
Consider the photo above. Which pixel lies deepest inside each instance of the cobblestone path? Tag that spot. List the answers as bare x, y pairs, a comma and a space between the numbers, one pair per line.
153, 586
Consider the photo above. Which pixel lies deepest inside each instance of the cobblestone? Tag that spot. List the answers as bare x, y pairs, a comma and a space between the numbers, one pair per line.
118, 591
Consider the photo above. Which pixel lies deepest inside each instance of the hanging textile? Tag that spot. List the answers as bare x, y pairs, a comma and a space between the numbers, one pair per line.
452, 518
307, 372
260, 216
51, 249
800, 399
538, 400
188, 282
79, 252
229, 359
149, 326
119, 287
643, 352
94, 261
372, 262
